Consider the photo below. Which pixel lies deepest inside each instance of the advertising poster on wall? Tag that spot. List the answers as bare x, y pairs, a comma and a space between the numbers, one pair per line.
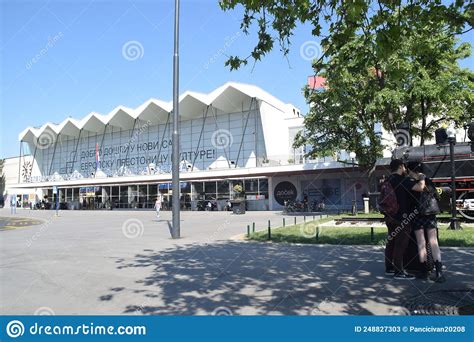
323, 190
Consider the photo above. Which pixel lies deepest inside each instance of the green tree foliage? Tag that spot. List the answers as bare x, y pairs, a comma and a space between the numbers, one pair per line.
420, 83
342, 117
276, 21
385, 61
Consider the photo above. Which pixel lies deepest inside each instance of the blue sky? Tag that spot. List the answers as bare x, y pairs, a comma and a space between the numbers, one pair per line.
66, 58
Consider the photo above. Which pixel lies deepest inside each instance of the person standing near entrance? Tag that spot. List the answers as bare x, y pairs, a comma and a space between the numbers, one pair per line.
158, 205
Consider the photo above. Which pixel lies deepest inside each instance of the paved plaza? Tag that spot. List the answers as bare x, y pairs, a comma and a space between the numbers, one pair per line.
124, 262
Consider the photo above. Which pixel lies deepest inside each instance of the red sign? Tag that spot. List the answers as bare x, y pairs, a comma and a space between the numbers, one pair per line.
316, 82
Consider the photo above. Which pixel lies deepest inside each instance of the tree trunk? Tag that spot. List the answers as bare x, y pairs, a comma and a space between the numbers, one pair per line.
408, 117
423, 122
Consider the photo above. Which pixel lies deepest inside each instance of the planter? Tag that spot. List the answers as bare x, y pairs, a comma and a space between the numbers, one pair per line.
238, 207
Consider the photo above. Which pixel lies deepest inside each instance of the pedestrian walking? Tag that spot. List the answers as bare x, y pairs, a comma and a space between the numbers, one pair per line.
158, 202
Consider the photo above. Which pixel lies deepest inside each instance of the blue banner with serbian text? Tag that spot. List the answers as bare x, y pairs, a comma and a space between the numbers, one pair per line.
237, 328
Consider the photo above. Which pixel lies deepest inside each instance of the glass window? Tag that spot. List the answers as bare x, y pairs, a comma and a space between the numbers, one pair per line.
96, 197
133, 196
210, 189
185, 199
198, 187
198, 190
263, 187
141, 195
123, 201
62, 195
105, 195
163, 188
223, 190
67, 195
152, 192
75, 194
251, 186
114, 197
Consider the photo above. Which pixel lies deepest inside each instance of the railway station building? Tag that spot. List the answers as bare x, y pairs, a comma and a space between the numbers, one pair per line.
238, 134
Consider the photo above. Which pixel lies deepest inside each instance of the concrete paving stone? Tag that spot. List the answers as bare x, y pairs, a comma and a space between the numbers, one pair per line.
124, 262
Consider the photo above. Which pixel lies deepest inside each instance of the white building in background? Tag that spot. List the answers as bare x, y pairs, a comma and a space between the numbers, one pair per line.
237, 134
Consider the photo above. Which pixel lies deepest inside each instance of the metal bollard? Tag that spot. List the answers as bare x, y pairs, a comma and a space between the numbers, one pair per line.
248, 230
304, 218
371, 234
283, 222
269, 231
317, 233
253, 227
295, 220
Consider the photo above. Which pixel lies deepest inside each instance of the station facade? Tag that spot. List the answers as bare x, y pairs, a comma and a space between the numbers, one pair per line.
236, 135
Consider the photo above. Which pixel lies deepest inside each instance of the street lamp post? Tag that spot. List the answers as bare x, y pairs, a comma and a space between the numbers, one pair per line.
454, 223
175, 229
352, 155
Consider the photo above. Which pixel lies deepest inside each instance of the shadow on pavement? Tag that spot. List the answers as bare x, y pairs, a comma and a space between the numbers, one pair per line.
264, 278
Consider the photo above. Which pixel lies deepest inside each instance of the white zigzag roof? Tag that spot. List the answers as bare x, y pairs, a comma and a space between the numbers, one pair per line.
229, 98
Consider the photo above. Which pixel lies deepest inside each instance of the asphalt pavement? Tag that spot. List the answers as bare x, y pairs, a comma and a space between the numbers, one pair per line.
124, 262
